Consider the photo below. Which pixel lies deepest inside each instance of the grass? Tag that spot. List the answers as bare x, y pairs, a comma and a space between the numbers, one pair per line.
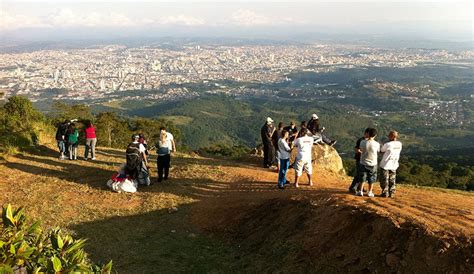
140, 232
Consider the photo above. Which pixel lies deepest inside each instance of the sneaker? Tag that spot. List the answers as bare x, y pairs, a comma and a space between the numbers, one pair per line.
93, 159
370, 194
333, 143
384, 194
311, 184
360, 193
281, 187
296, 185
391, 195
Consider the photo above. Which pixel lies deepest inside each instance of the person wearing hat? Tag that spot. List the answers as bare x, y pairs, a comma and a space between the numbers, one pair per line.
267, 131
314, 128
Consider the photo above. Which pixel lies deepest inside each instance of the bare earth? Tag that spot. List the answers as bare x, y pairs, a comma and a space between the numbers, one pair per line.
319, 228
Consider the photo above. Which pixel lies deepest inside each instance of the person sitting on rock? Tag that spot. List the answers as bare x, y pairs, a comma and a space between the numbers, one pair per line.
315, 129
292, 131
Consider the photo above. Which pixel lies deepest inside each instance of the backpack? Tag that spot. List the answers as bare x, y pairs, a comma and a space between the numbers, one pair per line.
134, 160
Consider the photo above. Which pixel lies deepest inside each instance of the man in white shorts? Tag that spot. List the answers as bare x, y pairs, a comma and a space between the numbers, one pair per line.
304, 145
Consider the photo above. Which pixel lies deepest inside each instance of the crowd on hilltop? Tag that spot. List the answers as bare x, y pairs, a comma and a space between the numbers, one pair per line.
135, 170
279, 142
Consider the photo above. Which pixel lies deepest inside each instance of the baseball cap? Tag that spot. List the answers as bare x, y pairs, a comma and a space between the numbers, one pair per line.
269, 120
315, 116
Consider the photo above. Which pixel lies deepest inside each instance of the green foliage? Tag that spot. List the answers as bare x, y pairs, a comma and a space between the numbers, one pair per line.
226, 151
62, 111
18, 124
25, 247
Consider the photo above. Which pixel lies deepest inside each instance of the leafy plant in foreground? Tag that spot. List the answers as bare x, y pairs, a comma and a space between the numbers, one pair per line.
25, 247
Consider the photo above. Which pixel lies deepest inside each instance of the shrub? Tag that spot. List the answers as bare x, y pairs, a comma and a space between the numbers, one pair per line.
25, 247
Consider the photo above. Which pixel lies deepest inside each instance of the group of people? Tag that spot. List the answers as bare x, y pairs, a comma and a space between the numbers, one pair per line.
137, 165
67, 137
278, 143
366, 155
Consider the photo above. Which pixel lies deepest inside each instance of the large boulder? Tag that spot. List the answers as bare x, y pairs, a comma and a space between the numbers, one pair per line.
325, 157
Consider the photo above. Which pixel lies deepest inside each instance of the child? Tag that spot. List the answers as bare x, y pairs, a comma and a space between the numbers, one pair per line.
368, 162
389, 164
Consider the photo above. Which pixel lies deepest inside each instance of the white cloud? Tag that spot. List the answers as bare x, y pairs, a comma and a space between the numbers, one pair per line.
181, 20
65, 18
248, 18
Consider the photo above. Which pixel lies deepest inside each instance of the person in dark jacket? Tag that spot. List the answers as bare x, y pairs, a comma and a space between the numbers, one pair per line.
357, 154
61, 134
267, 131
293, 131
315, 129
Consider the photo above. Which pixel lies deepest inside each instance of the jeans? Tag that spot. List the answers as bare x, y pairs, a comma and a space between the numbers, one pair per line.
284, 165
90, 144
388, 183
61, 146
368, 173
163, 163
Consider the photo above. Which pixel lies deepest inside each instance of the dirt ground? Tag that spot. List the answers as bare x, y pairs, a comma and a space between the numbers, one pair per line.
232, 213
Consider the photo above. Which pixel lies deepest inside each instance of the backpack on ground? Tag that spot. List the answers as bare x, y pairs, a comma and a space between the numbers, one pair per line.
134, 160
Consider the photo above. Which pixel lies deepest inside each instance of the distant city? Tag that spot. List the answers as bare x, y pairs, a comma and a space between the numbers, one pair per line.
160, 74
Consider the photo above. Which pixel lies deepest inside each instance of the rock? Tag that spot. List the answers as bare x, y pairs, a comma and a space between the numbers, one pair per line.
392, 260
192, 235
172, 209
325, 157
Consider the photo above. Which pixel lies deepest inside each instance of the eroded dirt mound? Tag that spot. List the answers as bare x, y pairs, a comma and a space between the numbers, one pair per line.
321, 235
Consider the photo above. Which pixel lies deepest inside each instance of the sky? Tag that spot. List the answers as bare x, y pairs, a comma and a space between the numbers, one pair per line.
442, 19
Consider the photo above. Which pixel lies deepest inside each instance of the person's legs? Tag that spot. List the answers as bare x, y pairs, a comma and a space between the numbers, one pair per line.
392, 182
361, 179
75, 151
308, 167
284, 164
70, 148
372, 178
93, 143
88, 146
265, 155
167, 166
355, 180
298, 170
384, 182
160, 168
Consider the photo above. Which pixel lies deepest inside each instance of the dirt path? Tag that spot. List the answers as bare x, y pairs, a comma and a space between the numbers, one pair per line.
443, 212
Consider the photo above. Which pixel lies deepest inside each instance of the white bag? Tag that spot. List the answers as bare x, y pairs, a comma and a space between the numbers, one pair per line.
123, 186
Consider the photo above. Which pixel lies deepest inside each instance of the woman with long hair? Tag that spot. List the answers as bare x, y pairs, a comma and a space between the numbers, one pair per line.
165, 146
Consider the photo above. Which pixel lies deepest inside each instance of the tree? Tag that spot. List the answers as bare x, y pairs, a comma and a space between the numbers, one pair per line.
106, 123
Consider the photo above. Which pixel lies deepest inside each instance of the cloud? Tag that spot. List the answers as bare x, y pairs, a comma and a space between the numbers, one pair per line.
248, 18
65, 18
181, 20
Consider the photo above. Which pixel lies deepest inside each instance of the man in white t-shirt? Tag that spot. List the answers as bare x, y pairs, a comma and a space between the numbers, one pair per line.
304, 145
389, 164
368, 162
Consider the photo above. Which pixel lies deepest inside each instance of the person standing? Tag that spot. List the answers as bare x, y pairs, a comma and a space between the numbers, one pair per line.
275, 138
389, 164
91, 140
61, 139
284, 150
304, 144
266, 133
165, 146
368, 162
357, 153
72, 140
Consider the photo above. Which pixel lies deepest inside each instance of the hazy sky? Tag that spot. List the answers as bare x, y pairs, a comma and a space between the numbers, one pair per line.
435, 19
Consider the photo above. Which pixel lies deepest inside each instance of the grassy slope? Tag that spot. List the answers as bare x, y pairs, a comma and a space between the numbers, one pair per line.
143, 233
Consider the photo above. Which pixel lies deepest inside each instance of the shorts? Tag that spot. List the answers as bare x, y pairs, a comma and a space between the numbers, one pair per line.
301, 165
368, 173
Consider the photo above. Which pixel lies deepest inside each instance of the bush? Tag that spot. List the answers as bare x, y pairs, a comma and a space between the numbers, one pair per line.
25, 247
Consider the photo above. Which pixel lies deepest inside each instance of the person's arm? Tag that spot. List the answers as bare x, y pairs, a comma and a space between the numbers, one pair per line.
173, 145
384, 148
287, 147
